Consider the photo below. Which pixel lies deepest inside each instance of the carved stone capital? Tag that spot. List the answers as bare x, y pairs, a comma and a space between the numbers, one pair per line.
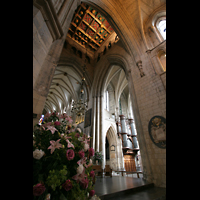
122, 117
130, 121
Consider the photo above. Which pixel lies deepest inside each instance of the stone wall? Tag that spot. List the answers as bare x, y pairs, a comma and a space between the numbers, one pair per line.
151, 98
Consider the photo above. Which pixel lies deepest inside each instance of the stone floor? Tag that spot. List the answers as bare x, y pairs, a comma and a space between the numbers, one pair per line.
154, 193
127, 188
127, 175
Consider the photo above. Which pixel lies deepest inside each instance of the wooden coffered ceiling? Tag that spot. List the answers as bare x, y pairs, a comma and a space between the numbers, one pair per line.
89, 28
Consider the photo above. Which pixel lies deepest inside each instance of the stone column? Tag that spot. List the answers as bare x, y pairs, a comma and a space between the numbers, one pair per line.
94, 122
102, 134
45, 75
121, 157
116, 114
118, 128
97, 124
43, 81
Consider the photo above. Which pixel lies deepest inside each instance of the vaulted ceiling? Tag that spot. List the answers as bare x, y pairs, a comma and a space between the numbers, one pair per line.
64, 87
117, 79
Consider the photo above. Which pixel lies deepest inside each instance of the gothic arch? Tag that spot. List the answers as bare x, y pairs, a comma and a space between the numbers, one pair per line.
116, 157
153, 37
103, 68
111, 133
119, 26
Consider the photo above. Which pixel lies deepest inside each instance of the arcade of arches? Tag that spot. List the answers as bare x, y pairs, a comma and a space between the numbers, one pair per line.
123, 46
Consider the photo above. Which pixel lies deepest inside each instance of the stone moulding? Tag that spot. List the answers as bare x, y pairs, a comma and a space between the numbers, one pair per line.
50, 17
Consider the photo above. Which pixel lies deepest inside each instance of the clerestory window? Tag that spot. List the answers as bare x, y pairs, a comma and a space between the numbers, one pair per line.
162, 28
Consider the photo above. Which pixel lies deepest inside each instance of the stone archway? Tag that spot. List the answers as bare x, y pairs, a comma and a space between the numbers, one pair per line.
115, 149
123, 60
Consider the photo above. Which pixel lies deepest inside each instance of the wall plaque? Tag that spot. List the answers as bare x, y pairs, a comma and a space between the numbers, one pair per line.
157, 131
112, 148
88, 114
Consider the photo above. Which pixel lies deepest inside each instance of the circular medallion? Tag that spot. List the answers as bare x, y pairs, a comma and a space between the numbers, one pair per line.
157, 131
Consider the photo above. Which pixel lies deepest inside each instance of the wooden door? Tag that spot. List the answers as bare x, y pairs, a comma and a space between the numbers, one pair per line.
129, 162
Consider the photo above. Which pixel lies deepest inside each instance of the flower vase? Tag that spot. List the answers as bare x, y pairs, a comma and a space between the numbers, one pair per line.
96, 162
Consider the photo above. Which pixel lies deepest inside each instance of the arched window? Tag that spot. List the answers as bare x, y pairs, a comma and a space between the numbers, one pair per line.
162, 59
107, 100
162, 28
160, 25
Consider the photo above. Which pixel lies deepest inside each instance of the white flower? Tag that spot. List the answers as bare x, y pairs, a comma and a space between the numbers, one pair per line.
48, 197
62, 135
79, 169
80, 139
78, 129
86, 147
95, 197
37, 154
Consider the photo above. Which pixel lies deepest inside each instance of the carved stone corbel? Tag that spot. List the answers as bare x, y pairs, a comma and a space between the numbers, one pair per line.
139, 64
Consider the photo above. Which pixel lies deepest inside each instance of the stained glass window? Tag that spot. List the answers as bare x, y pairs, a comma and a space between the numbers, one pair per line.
41, 119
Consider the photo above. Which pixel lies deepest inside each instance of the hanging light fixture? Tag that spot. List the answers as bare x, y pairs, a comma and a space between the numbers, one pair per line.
80, 106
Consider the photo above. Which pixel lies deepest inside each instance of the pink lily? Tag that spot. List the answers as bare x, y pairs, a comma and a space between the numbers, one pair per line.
90, 164
55, 145
79, 177
65, 136
69, 144
52, 129
85, 138
69, 119
64, 115
82, 161
46, 124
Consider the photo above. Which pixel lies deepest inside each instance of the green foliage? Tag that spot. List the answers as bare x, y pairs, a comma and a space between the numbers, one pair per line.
98, 156
56, 177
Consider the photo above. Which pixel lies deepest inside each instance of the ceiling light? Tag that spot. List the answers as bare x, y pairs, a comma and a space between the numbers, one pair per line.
80, 106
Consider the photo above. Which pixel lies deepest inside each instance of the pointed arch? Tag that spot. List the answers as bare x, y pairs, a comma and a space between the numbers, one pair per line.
111, 133
127, 37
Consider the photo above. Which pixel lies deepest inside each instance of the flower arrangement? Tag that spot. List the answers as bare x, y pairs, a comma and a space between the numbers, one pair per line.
98, 156
61, 165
